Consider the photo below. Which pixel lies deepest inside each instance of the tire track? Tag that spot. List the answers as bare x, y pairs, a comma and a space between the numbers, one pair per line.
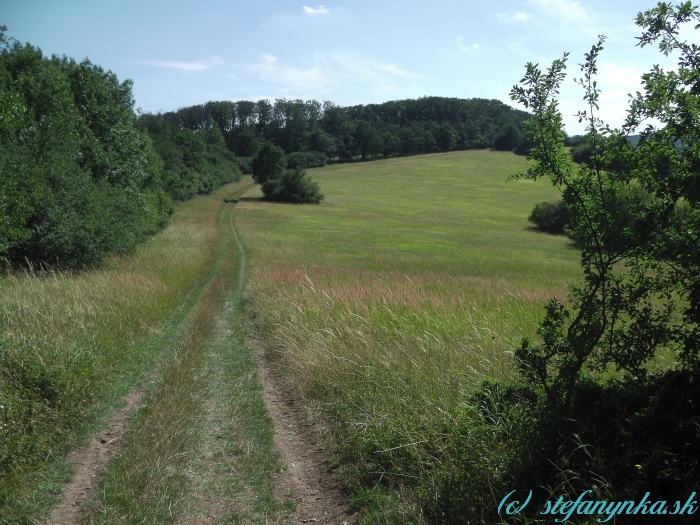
90, 461
307, 478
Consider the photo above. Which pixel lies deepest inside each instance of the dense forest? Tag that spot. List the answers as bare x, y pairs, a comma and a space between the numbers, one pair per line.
311, 133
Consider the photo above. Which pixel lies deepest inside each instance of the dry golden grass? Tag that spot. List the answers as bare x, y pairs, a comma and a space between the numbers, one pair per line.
425, 266
117, 304
320, 317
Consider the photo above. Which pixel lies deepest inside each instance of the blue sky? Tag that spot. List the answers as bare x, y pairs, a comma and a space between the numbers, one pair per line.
184, 52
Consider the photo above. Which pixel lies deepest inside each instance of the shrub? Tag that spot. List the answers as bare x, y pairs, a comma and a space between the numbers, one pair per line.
306, 159
574, 140
279, 184
582, 152
78, 179
508, 138
637, 307
551, 217
292, 186
269, 163
245, 164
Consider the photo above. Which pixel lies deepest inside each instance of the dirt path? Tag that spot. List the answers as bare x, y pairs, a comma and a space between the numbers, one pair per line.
307, 480
222, 487
89, 463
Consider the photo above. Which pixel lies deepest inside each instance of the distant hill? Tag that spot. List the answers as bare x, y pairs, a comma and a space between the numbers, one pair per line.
400, 127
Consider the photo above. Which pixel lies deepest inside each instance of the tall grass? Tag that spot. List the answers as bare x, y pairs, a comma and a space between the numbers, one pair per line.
391, 302
70, 340
202, 445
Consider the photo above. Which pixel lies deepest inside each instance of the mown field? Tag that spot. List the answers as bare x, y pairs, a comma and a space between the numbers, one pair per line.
391, 302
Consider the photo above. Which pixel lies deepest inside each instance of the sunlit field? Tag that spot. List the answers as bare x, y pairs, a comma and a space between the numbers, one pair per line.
389, 302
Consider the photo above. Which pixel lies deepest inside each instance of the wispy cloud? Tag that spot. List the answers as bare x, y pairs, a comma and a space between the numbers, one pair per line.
185, 66
391, 68
363, 67
324, 73
270, 70
566, 9
197, 65
516, 17
320, 10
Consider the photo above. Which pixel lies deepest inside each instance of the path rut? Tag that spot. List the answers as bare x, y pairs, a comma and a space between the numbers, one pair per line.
307, 478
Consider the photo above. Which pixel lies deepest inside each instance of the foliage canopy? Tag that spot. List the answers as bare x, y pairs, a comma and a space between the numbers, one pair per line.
398, 127
641, 287
77, 179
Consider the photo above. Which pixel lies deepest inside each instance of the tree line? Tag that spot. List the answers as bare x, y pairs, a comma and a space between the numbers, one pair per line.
80, 176
325, 129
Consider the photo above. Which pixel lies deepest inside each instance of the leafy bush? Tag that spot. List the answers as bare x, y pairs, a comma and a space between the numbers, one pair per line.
574, 140
195, 162
508, 138
551, 217
269, 163
292, 186
583, 148
79, 180
607, 416
306, 159
524, 147
245, 164
582, 152
279, 184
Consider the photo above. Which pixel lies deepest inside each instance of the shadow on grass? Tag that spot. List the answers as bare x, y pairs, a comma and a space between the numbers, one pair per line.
572, 244
618, 441
251, 199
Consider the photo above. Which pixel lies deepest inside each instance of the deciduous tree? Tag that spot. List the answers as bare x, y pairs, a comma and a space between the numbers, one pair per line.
640, 291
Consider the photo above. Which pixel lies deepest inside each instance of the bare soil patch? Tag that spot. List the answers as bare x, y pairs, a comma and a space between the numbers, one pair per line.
89, 463
307, 479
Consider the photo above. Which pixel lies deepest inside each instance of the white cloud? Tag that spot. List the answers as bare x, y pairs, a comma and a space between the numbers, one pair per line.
185, 66
615, 82
197, 65
513, 18
614, 75
365, 68
320, 10
391, 68
326, 73
476, 46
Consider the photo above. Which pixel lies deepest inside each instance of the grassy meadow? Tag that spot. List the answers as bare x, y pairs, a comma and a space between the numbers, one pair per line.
390, 302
